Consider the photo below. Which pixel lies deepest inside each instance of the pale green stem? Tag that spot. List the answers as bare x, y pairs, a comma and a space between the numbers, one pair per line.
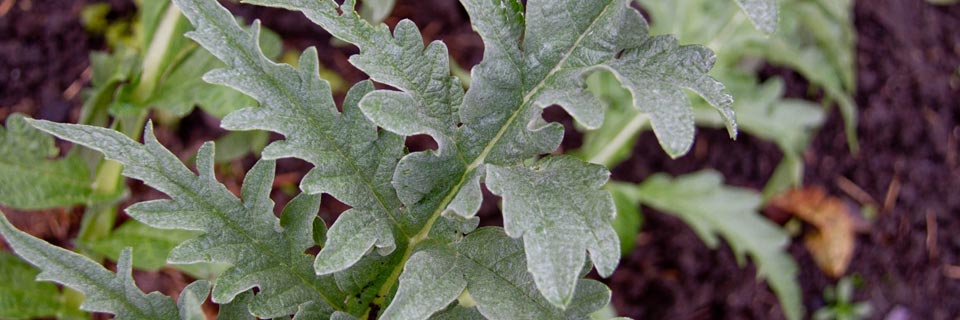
99, 218
716, 43
632, 129
156, 53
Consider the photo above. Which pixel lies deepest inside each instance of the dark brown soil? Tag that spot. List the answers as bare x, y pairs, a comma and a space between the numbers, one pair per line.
909, 96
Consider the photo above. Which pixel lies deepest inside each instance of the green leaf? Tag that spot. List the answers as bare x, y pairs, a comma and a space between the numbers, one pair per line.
629, 219
105, 291
613, 142
656, 72
151, 244
558, 208
458, 312
789, 123
712, 209
489, 267
376, 10
763, 13
497, 122
238, 308
815, 38
237, 144
31, 179
499, 119
21, 297
763, 112
242, 232
182, 87
430, 281
190, 303
494, 267
353, 162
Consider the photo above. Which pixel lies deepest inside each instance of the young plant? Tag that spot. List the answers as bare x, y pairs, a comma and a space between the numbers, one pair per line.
840, 304
409, 247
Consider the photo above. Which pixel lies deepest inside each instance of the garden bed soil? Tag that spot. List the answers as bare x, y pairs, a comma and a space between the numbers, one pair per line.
909, 97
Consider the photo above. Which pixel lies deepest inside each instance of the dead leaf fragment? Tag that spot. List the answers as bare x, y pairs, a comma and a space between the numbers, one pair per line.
832, 243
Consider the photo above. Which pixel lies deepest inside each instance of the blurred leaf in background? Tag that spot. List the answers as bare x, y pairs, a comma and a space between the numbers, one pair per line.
21, 296
31, 179
713, 209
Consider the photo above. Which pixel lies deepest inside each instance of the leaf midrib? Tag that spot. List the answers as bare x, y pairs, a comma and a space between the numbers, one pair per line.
258, 244
477, 162
251, 62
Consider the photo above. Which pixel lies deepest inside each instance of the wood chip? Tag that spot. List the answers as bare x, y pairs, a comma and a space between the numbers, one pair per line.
5, 6
893, 192
77, 85
855, 191
833, 241
951, 271
932, 250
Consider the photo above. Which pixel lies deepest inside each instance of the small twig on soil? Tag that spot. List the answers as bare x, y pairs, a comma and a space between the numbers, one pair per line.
952, 147
75, 87
855, 192
5, 6
951, 271
932, 250
893, 192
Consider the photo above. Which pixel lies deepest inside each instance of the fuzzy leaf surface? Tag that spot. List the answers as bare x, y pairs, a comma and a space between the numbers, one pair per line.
558, 208
712, 210
491, 268
656, 74
763, 13
352, 160
191, 299
239, 231
495, 268
105, 291
498, 121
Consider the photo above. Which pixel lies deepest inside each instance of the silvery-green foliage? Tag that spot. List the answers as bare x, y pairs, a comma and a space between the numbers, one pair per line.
408, 246
763, 13
105, 291
498, 121
265, 252
114, 293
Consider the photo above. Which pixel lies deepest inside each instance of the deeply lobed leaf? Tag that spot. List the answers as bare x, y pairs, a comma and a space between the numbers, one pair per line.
559, 210
353, 161
489, 268
105, 291
534, 58
242, 232
499, 120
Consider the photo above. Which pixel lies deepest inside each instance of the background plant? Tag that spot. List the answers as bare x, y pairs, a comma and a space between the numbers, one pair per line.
700, 199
